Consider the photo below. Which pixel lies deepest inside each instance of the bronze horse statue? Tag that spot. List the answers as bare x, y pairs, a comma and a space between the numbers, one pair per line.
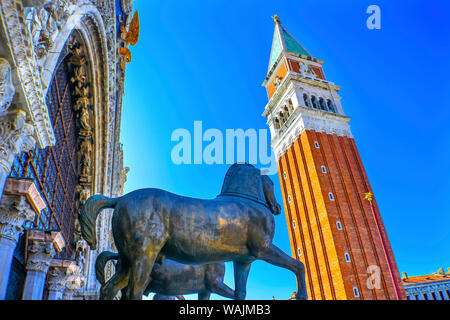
171, 279
150, 224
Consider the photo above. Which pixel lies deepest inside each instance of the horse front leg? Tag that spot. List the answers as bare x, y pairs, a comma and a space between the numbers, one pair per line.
274, 255
241, 270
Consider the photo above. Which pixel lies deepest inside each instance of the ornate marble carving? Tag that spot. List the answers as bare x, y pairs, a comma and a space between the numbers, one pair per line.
40, 255
14, 212
7, 89
76, 280
42, 246
36, 30
19, 40
56, 279
15, 136
123, 178
44, 20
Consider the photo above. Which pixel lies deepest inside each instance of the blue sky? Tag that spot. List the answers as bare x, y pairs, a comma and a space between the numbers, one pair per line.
206, 60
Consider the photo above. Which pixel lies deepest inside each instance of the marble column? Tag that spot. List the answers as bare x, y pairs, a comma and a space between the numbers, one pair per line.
42, 246
20, 203
58, 275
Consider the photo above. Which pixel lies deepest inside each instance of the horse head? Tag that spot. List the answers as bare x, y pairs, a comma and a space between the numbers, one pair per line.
245, 180
269, 194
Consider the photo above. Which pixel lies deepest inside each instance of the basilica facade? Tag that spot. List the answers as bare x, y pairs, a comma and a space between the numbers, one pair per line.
62, 68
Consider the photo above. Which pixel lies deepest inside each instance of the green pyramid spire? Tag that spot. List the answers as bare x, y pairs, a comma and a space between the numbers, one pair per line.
284, 41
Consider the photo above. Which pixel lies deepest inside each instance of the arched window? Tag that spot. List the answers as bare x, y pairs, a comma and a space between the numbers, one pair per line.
355, 292
307, 101
277, 123
339, 225
299, 252
347, 257
282, 117
287, 112
314, 102
290, 106
330, 106
322, 104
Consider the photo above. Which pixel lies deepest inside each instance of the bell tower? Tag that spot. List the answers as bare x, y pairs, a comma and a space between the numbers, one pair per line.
334, 224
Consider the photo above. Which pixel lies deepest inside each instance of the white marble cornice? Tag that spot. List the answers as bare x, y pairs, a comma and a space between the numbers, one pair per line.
309, 119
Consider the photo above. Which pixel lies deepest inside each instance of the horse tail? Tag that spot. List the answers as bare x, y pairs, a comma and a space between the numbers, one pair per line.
88, 216
100, 264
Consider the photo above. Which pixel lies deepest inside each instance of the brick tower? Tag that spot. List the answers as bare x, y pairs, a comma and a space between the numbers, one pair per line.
334, 224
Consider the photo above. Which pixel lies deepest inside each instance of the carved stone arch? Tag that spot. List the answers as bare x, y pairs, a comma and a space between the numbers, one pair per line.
88, 22
96, 51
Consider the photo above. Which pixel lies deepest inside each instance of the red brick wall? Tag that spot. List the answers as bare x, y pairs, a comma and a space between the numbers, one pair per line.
322, 245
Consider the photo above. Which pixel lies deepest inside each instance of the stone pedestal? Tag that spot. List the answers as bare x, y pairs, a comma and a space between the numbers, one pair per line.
20, 203
42, 246
59, 273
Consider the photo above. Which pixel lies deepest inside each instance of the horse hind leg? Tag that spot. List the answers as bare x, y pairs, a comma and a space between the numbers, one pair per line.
223, 290
241, 270
140, 271
142, 262
117, 282
274, 255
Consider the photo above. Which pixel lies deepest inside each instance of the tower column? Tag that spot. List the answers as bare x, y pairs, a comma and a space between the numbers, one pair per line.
42, 246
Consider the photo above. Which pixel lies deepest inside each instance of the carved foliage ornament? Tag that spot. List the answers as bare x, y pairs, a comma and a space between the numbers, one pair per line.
40, 254
14, 212
15, 136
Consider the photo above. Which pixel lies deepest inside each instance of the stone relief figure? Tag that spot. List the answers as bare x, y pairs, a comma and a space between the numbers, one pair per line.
7, 89
81, 251
79, 79
45, 21
86, 165
85, 156
306, 70
84, 119
150, 225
